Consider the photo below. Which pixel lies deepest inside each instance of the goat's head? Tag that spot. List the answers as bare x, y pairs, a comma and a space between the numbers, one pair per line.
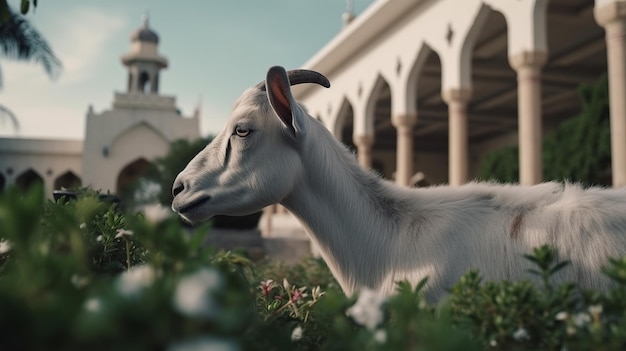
254, 162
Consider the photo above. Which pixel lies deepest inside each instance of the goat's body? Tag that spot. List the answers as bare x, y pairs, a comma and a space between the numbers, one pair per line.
373, 233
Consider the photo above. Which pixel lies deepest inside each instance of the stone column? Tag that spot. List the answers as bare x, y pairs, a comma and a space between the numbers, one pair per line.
404, 151
612, 17
364, 149
457, 99
528, 66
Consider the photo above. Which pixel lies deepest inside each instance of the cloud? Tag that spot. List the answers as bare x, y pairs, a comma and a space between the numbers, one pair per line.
83, 44
80, 44
83, 49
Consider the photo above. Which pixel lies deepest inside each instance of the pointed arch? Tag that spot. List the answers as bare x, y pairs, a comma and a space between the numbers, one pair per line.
378, 120
28, 179
378, 101
343, 128
142, 138
468, 45
406, 102
67, 180
130, 174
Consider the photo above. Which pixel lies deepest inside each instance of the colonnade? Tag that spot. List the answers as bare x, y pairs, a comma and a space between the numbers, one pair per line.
527, 57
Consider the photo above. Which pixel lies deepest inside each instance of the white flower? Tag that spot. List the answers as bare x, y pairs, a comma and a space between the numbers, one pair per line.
561, 316
193, 293
134, 280
123, 233
5, 246
296, 334
99, 238
380, 336
317, 292
570, 330
156, 213
367, 309
521, 334
204, 343
93, 305
82, 225
79, 281
581, 319
493, 343
286, 284
595, 309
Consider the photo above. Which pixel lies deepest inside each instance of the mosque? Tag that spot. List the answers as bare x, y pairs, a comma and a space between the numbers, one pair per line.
119, 143
422, 90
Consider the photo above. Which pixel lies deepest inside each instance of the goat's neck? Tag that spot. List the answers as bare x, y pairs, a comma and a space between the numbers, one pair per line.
348, 212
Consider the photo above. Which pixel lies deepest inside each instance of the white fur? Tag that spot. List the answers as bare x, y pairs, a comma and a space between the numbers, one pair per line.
373, 233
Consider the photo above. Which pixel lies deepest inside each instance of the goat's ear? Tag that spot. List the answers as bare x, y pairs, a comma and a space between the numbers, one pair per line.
282, 102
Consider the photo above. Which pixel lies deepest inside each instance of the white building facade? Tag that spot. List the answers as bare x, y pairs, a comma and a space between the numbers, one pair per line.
119, 143
424, 89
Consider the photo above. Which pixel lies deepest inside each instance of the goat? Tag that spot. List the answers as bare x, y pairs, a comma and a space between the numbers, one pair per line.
373, 233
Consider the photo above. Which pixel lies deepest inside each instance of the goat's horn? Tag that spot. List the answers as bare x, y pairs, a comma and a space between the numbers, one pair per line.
299, 76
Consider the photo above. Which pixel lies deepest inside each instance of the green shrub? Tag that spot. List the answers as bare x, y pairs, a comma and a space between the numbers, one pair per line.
81, 275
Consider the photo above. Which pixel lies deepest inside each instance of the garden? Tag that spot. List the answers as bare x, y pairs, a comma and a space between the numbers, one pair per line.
81, 274
84, 273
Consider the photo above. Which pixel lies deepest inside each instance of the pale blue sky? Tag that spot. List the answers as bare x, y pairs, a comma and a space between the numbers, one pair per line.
216, 49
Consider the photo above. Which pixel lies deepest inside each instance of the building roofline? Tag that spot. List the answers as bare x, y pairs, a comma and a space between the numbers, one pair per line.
360, 32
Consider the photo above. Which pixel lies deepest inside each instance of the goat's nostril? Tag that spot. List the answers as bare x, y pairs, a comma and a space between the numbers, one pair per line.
177, 189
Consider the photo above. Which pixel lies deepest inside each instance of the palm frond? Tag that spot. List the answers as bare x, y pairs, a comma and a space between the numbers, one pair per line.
19, 40
6, 113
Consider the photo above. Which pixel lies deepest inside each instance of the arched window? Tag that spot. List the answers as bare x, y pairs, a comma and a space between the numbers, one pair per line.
28, 179
67, 180
130, 175
144, 82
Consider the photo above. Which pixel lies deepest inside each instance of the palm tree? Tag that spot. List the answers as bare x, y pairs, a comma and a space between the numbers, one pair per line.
21, 41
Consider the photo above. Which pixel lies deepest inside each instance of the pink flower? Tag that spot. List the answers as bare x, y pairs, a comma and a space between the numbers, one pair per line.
298, 294
267, 286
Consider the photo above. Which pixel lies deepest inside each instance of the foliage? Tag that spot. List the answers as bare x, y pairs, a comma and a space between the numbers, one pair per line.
578, 150
21, 41
80, 274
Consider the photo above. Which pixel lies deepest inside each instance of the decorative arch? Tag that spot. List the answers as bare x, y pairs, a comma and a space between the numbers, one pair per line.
380, 95
469, 42
378, 122
411, 82
343, 128
130, 174
67, 180
28, 179
151, 138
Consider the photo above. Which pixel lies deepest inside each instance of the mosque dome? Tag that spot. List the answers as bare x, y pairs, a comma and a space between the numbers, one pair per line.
144, 33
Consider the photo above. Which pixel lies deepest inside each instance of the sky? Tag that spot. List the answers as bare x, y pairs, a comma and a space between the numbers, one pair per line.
216, 49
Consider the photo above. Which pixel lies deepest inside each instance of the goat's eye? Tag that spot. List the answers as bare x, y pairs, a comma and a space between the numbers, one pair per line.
242, 132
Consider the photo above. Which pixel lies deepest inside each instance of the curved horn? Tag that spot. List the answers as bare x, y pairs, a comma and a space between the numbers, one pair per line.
299, 76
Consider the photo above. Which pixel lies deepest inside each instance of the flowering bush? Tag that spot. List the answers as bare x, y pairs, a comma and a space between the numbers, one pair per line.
82, 275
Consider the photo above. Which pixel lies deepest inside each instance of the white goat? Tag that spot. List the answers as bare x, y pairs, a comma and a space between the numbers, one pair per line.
373, 233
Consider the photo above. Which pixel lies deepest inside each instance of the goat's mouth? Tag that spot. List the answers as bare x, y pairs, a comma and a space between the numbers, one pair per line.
193, 205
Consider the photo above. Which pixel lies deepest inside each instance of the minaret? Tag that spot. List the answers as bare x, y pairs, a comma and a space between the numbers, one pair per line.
143, 61
348, 16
